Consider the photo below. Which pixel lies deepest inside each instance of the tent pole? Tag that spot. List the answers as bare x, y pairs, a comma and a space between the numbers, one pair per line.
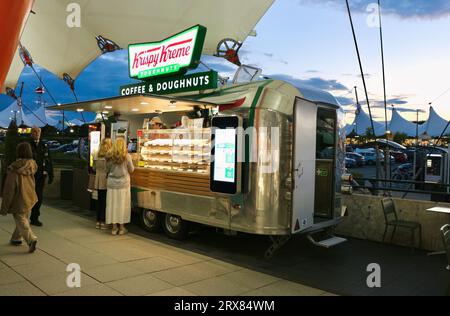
377, 153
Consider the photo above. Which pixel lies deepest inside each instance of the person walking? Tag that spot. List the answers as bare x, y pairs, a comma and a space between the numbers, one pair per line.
19, 195
41, 155
118, 196
101, 181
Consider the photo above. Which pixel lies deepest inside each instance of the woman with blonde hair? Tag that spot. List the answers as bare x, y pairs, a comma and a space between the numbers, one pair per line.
100, 181
118, 197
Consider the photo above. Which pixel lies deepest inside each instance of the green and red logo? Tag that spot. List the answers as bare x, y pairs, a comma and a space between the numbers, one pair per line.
168, 57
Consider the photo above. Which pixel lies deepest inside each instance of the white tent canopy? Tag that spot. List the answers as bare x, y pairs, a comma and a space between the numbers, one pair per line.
399, 124
435, 125
61, 49
362, 123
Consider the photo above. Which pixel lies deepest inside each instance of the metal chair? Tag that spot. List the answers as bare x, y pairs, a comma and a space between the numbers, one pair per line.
391, 219
445, 230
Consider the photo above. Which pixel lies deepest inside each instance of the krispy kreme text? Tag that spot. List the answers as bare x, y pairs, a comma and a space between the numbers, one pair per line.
168, 56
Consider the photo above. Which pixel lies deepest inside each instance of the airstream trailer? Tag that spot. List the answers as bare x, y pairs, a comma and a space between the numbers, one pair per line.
288, 180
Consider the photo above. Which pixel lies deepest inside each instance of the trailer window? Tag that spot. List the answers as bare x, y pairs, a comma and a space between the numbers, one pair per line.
326, 134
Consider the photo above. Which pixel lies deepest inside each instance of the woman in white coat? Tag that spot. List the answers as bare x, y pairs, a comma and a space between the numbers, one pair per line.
118, 197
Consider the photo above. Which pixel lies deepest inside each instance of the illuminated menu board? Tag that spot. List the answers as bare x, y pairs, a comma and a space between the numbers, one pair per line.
225, 155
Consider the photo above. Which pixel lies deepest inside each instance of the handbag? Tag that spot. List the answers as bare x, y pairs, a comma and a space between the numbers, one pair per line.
91, 184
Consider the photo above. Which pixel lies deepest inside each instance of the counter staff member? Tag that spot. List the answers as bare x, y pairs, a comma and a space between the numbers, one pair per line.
43, 160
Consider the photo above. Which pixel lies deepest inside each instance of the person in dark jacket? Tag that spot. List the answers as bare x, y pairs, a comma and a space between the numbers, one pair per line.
41, 155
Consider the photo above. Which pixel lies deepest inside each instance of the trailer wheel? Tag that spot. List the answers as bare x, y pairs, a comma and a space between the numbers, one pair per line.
175, 227
151, 220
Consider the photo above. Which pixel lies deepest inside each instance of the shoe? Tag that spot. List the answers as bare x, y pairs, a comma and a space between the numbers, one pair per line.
36, 223
16, 242
114, 231
97, 225
123, 231
104, 226
32, 246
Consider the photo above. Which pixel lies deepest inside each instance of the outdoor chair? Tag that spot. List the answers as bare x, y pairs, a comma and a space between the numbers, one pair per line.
446, 238
391, 219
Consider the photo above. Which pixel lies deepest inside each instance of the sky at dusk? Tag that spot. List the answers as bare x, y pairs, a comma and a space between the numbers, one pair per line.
310, 42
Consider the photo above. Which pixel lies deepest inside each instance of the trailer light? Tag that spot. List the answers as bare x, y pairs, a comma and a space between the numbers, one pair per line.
346, 189
108, 107
135, 110
347, 178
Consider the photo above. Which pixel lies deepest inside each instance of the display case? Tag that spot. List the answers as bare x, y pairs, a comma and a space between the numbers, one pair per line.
178, 150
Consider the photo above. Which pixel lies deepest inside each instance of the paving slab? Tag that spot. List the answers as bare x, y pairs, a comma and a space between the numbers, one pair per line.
112, 272
285, 288
219, 286
175, 291
153, 264
58, 283
40, 269
8, 276
87, 261
91, 290
20, 289
23, 257
184, 275
140, 285
250, 279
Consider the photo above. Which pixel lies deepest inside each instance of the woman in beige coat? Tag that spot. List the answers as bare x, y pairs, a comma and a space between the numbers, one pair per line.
19, 195
101, 181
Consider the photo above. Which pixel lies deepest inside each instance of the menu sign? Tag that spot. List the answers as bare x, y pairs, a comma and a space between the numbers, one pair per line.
225, 155
225, 169
167, 57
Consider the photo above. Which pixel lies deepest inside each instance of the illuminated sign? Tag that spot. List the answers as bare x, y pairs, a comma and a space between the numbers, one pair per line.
225, 155
168, 57
172, 85
94, 146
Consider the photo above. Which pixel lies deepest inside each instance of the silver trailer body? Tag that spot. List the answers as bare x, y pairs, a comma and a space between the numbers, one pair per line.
288, 187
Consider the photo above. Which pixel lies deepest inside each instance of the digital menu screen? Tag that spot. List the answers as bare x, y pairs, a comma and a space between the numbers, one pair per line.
225, 155
225, 168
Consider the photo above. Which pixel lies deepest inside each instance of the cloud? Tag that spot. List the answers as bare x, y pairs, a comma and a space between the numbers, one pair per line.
312, 71
316, 82
345, 101
406, 110
248, 56
407, 9
366, 75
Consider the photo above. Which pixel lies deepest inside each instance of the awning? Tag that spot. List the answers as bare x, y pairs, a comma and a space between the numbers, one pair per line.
135, 104
62, 49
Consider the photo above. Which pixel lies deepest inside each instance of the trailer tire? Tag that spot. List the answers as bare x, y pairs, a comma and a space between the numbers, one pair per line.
175, 227
151, 220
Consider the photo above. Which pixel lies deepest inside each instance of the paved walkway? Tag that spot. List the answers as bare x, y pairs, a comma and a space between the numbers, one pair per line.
122, 265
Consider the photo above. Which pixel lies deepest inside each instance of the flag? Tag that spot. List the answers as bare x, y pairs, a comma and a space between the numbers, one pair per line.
39, 90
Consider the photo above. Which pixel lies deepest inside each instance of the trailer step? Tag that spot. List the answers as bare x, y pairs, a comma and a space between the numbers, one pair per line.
327, 243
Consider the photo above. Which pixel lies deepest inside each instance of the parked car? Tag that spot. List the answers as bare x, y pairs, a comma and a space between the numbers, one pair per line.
403, 172
370, 157
400, 157
350, 163
360, 160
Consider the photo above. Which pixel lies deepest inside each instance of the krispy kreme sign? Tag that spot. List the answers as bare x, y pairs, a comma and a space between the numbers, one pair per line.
167, 57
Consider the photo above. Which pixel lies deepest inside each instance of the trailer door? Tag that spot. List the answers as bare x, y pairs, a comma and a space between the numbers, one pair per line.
305, 125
